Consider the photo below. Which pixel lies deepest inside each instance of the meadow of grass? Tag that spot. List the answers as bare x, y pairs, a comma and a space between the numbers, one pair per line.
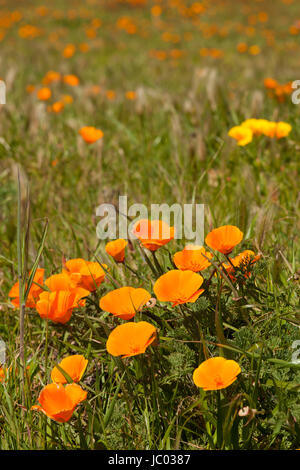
195, 70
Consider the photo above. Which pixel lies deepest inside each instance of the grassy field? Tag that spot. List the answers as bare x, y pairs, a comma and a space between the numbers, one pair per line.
165, 81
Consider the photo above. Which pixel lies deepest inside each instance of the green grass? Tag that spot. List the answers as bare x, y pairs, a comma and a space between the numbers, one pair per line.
170, 145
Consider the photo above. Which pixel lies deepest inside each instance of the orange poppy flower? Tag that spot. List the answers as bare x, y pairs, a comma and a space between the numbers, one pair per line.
2, 374
178, 287
116, 249
44, 94
216, 373
125, 302
71, 80
242, 47
90, 134
59, 402
257, 126
84, 47
130, 95
242, 134
270, 83
67, 99
30, 88
241, 261
269, 128
254, 50
58, 305
224, 239
64, 282
130, 339
69, 51
57, 107
156, 10
153, 233
50, 77
282, 129
34, 291
110, 95
74, 366
191, 258
85, 274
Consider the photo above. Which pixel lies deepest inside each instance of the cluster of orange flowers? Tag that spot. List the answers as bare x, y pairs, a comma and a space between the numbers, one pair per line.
212, 52
111, 95
29, 31
163, 55
245, 132
90, 134
275, 90
242, 47
56, 298
178, 286
57, 400
45, 93
126, 24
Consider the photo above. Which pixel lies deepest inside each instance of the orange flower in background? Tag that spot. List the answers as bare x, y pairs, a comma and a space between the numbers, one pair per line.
156, 10
130, 339
71, 80
257, 126
242, 260
90, 134
130, 95
69, 51
58, 305
84, 47
282, 129
276, 90
216, 373
59, 402
2, 374
110, 95
270, 83
176, 53
254, 50
57, 107
125, 301
242, 47
191, 258
51, 77
44, 94
116, 249
241, 134
91, 33
34, 291
178, 287
74, 366
153, 233
95, 90
268, 128
30, 88
224, 239
85, 274
29, 31
67, 99
160, 55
